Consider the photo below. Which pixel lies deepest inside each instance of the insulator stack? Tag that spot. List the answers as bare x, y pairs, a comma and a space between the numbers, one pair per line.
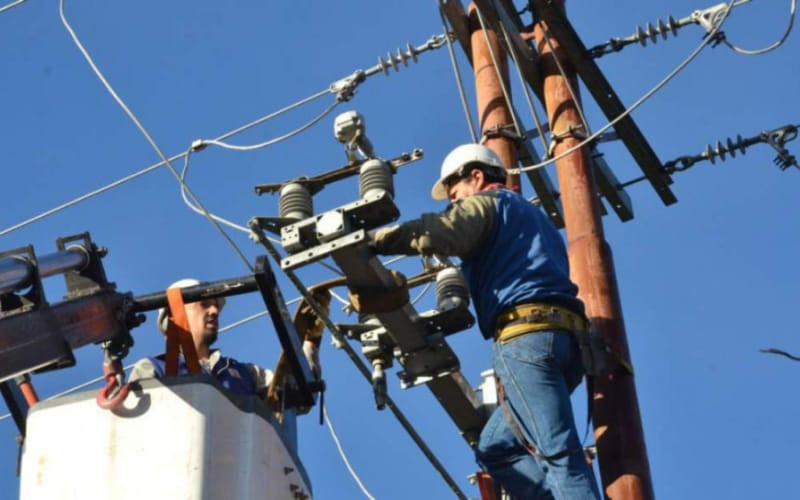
719, 151
661, 28
295, 202
642, 35
451, 289
375, 176
712, 152
393, 61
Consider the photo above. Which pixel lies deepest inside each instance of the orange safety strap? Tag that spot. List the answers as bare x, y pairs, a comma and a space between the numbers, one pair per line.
178, 336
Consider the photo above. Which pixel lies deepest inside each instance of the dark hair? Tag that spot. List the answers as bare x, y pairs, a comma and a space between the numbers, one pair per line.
490, 172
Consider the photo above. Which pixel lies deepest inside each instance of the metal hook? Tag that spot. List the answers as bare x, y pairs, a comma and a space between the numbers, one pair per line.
120, 392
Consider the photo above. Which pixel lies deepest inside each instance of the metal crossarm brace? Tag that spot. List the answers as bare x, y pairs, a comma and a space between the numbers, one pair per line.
497, 15
457, 17
426, 359
609, 187
363, 269
561, 29
548, 197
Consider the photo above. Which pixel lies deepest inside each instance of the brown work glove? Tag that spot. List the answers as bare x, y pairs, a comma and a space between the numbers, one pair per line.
306, 322
372, 300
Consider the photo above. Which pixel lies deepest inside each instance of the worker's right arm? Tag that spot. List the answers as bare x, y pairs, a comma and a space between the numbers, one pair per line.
458, 231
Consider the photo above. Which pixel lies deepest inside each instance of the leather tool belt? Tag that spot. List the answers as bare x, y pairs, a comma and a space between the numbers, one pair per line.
530, 318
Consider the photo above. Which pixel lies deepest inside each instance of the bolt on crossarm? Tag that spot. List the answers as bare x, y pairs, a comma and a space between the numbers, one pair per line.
624, 467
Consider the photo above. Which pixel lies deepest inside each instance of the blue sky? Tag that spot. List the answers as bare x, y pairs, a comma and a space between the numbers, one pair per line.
704, 283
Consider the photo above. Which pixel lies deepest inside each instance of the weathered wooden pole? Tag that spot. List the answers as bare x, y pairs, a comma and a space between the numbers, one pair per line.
624, 468
493, 111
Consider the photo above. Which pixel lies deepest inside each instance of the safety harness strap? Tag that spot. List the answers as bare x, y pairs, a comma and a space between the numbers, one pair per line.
178, 336
517, 430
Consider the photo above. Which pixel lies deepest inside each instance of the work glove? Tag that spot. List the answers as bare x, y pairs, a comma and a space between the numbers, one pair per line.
380, 300
311, 351
306, 322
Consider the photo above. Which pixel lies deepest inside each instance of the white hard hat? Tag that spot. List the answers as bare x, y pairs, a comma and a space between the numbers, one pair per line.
182, 283
460, 156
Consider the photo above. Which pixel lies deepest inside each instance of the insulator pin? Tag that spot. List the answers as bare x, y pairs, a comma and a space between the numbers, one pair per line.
295, 202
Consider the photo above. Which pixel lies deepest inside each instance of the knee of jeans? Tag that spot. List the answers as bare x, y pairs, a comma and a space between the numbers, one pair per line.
494, 449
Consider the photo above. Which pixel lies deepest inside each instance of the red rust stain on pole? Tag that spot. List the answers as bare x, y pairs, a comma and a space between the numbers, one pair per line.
492, 108
624, 468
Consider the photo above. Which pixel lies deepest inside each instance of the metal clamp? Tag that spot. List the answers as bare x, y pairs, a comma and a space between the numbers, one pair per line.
556, 138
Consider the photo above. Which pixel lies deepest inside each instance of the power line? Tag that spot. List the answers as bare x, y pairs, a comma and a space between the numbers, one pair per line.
222, 220
10, 6
773, 46
459, 82
344, 456
146, 134
276, 140
635, 105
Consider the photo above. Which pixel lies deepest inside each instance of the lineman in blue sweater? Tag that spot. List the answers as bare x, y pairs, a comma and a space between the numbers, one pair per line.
515, 263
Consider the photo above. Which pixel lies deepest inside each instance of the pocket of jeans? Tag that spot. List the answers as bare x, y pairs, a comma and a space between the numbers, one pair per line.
531, 348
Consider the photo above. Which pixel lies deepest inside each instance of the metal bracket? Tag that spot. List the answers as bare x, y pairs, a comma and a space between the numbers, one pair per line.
318, 182
92, 277
609, 187
367, 213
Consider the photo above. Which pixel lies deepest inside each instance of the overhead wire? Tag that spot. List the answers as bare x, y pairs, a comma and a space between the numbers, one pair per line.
162, 163
253, 147
500, 78
531, 107
223, 329
344, 89
706, 40
365, 372
572, 92
10, 6
222, 220
421, 294
769, 48
147, 135
344, 456
459, 81
71, 390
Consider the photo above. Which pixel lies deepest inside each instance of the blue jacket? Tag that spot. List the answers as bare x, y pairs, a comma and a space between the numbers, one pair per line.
523, 260
511, 253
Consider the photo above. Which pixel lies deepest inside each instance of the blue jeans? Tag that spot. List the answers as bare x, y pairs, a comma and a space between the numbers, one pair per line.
538, 372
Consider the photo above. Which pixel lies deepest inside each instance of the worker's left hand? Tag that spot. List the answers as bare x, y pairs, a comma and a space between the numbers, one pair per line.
311, 351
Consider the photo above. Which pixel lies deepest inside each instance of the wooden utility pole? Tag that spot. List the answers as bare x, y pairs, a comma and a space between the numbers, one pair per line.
493, 111
624, 468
